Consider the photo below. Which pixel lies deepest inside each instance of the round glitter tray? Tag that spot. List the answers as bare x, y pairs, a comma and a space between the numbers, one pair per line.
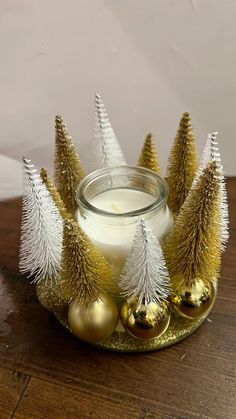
120, 341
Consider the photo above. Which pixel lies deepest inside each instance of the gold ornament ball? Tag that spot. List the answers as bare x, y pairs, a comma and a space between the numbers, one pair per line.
95, 322
147, 321
194, 302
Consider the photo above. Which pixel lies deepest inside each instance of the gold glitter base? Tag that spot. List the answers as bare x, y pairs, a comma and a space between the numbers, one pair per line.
179, 329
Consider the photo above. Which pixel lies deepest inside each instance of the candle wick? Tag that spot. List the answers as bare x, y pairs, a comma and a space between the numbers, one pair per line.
115, 208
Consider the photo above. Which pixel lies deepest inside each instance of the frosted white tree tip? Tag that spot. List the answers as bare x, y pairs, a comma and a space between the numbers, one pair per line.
41, 233
211, 152
109, 150
145, 276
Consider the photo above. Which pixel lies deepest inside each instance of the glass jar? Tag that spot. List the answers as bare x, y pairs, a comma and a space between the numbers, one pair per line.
112, 200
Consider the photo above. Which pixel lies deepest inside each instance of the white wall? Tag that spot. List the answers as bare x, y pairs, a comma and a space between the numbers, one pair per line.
149, 59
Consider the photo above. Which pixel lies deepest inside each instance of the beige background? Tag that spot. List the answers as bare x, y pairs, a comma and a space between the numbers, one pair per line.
149, 59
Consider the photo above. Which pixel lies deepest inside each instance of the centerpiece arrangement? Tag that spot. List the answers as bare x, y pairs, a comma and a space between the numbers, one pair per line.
120, 261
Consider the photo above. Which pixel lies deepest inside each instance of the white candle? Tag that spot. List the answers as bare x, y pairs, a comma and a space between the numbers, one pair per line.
113, 235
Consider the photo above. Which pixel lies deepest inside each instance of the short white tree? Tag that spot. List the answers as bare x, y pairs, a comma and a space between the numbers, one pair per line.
42, 228
109, 150
145, 277
211, 152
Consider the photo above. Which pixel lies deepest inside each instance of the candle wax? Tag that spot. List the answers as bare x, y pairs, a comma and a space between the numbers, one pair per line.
113, 235
122, 200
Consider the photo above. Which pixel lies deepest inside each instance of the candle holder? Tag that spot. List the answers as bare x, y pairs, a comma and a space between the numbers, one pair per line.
121, 341
108, 258
140, 192
112, 200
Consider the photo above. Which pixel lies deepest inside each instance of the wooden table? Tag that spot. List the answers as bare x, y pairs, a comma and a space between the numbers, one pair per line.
47, 373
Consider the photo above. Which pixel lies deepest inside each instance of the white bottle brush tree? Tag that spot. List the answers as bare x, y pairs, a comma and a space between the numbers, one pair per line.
145, 277
109, 150
211, 152
42, 229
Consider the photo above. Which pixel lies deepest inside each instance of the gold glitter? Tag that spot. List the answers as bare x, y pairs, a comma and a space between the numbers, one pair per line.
48, 294
84, 272
68, 169
192, 250
53, 192
182, 164
148, 157
178, 330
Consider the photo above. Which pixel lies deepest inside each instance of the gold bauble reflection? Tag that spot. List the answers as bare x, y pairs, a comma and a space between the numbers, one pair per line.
94, 322
194, 302
146, 322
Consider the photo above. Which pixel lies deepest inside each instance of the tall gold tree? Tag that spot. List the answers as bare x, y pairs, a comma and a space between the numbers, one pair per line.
85, 272
148, 157
193, 248
182, 164
68, 169
47, 180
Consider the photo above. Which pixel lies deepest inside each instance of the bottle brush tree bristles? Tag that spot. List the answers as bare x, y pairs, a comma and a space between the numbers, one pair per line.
193, 248
182, 164
41, 235
85, 272
47, 180
211, 152
148, 157
109, 150
145, 277
68, 169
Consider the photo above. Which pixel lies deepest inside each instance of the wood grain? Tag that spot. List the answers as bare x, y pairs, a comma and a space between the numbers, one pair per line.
193, 379
71, 403
12, 386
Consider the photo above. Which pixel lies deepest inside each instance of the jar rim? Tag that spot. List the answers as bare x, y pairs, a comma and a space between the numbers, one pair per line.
116, 171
